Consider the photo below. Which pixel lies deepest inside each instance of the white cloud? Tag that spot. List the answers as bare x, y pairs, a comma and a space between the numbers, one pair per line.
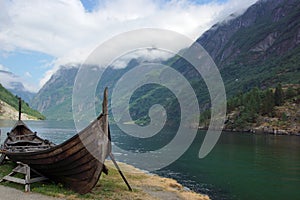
66, 31
12, 81
9, 80
48, 75
148, 55
28, 75
3, 68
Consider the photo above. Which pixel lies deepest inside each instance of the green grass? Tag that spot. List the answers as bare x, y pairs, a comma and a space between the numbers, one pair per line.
109, 186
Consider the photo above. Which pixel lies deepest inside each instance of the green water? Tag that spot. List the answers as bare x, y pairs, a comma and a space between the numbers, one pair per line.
241, 166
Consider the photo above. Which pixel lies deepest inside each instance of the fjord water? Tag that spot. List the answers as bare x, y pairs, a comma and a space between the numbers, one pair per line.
241, 166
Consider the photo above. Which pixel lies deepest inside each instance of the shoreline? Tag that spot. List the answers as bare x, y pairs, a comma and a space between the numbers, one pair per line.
155, 186
257, 131
145, 185
264, 132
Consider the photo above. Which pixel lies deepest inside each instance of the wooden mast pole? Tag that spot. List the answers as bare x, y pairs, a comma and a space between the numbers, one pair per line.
20, 108
105, 128
105, 111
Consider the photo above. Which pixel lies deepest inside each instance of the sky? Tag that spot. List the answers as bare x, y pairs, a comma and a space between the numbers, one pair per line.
38, 36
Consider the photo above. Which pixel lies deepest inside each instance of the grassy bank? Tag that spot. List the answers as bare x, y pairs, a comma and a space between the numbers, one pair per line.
111, 187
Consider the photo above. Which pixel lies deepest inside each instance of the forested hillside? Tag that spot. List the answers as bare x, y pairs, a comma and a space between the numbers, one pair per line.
9, 99
274, 110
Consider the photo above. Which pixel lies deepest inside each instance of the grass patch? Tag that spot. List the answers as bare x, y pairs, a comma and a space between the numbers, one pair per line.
109, 186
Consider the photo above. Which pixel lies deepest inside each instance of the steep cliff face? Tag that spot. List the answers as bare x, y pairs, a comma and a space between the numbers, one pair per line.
56, 94
259, 48
267, 29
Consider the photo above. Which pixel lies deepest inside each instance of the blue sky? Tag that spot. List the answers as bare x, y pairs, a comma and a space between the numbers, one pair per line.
27, 64
36, 37
89, 5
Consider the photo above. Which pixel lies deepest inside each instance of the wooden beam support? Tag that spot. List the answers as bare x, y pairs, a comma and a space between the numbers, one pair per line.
23, 169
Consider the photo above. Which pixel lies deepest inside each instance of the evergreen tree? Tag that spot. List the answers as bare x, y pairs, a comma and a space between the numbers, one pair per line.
251, 103
267, 103
278, 96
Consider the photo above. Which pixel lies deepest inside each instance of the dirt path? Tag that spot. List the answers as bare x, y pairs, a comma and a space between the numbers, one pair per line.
8, 193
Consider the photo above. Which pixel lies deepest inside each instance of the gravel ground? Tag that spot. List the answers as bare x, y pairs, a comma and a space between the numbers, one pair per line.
7, 193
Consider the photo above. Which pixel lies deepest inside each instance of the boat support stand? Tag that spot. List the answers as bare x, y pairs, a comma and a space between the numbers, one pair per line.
27, 180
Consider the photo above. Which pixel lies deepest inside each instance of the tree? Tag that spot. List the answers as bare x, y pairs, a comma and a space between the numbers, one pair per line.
278, 95
290, 93
267, 103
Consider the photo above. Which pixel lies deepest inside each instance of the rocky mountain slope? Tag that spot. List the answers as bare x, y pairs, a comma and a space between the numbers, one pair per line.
54, 99
259, 48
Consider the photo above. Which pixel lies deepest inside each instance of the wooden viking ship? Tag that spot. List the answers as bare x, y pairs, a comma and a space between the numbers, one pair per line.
76, 163
22, 139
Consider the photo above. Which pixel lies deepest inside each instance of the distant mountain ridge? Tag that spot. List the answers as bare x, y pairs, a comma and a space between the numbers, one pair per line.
12, 82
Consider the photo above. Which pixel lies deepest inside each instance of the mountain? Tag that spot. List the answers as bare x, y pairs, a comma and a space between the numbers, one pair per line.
13, 83
259, 48
54, 99
9, 106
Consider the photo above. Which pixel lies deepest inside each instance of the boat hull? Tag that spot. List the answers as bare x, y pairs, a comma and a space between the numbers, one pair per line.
77, 163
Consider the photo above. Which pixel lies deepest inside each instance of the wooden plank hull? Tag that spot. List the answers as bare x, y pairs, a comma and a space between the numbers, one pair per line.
76, 163
21, 139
